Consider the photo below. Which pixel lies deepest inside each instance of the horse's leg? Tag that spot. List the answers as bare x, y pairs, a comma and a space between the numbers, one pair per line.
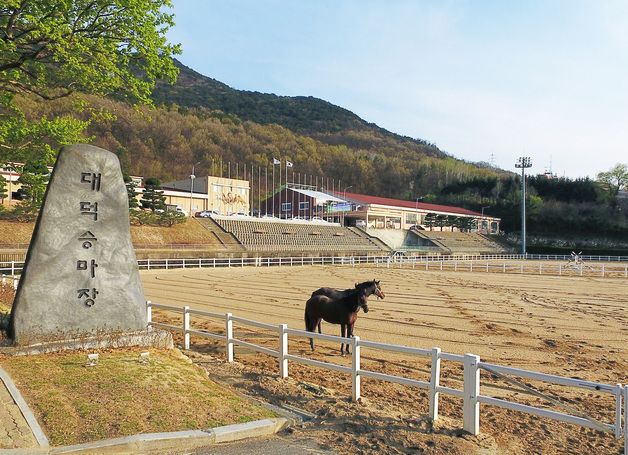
343, 331
349, 335
309, 328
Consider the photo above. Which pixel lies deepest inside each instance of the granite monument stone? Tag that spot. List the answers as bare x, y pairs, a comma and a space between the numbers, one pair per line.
81, 276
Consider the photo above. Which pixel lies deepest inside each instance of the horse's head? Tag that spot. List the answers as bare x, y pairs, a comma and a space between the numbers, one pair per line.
378, 290
371, 287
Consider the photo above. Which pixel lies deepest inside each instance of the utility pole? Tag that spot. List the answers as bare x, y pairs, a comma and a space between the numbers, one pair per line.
523, 162
192, 177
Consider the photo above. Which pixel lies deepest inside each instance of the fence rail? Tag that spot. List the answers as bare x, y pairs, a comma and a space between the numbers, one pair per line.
472, 366
616, 266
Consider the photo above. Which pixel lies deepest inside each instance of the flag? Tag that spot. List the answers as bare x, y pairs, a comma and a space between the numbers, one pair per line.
276, 161
288, 164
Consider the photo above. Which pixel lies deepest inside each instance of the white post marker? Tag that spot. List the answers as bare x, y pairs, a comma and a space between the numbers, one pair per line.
471, 406
149, 314
186, 327
229, 335
355, 369
434, 383
283, 350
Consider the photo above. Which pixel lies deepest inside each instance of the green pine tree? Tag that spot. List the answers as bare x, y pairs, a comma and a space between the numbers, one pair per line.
153, 198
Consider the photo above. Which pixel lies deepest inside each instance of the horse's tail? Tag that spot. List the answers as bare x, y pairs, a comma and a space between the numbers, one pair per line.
306, 316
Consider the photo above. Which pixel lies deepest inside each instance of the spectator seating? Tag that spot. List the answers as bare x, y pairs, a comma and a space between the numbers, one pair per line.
297, 237
463, 242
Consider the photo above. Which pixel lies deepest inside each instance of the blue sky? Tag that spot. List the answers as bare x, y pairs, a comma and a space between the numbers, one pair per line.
545, 79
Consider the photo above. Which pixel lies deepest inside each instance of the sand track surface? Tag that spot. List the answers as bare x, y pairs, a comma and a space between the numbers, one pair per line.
569, 326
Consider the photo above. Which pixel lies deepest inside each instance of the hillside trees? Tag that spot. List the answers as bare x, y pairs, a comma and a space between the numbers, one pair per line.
51, 49
614, 180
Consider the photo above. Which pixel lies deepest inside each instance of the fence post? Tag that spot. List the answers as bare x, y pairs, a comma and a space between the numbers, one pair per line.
148, 264
149, 314
166, 264
183, 263
4, 279
619, 389
229, 335
186, 327
626, 419
434, 383
283, 351
12, 268
200, 263
355, 369
471, 406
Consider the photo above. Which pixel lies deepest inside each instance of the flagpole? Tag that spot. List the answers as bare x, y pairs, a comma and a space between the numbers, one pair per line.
273, 189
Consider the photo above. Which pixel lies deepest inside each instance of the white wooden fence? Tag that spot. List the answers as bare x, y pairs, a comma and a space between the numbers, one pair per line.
616, 266
470, 393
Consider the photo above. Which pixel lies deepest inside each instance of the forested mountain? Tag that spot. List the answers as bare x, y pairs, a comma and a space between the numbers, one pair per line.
205, 123
304, 115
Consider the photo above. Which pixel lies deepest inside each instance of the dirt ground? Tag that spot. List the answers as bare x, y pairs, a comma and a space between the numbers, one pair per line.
570, 326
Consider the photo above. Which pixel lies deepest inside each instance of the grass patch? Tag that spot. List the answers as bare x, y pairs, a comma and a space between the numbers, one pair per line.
75, 403
189, 233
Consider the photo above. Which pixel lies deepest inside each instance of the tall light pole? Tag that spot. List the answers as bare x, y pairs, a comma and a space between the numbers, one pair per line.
416, 207
523, 162
344, 196
485, 207
192, 177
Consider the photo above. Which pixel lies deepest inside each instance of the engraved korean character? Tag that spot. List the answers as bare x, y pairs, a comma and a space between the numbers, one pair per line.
88, 208
90, 177
85, 293
88, 239
83, 265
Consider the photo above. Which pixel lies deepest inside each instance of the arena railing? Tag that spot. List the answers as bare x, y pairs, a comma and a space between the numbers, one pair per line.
473, 263
470, 392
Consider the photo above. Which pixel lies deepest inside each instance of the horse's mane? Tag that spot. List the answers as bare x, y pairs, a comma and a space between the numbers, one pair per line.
353, 297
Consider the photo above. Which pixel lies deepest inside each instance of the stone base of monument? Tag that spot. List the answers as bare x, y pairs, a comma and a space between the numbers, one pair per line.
144, 338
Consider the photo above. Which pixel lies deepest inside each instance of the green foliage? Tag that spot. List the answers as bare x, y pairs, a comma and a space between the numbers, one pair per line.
3, 188
50, 49
24, 140
130, 192
152, 198
147, 218
33, 179
614, 181
170, 218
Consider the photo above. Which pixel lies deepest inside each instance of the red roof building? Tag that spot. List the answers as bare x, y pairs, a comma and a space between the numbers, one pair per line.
387, 213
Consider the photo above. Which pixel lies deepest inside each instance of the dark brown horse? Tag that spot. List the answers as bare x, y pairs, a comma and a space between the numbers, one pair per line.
339, 307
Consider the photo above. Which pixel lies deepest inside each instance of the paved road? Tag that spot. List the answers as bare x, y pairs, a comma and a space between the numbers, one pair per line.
14, 431
275, 445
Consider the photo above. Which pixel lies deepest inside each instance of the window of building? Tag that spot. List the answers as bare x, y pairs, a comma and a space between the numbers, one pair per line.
411, 218
286, 207
304, 206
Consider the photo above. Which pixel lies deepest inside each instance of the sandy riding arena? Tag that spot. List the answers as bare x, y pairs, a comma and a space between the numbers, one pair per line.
570, 326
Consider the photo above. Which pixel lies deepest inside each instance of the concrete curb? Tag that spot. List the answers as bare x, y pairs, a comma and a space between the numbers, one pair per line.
41, 438
176, 440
